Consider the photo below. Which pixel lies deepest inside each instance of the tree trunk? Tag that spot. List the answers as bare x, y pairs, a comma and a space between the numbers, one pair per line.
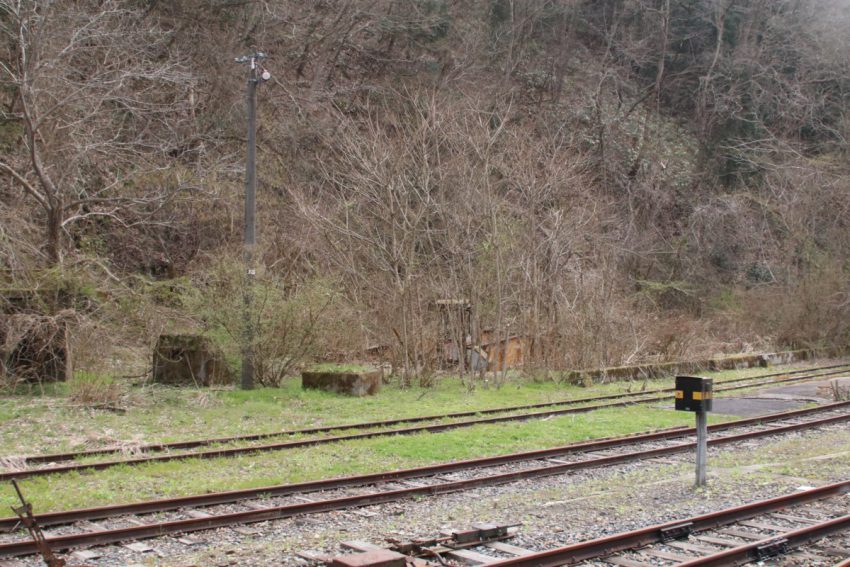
54, 235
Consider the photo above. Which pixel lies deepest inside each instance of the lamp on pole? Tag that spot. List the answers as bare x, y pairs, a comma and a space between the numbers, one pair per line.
254, 78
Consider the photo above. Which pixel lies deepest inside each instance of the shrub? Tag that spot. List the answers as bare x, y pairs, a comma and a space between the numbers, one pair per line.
93, 389
839, 393
292, 323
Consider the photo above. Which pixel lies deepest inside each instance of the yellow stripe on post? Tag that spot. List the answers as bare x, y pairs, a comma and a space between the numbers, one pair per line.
680, 394
702, 396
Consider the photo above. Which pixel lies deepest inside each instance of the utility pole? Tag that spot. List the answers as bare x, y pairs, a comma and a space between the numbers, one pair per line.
247, 374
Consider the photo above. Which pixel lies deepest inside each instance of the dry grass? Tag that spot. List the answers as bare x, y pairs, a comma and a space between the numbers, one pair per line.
839, 393
13, 463
96, 390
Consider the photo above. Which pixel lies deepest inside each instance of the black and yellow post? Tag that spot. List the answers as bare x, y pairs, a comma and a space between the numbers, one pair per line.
695, 394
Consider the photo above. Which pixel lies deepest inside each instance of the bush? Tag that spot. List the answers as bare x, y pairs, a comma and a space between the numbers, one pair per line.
839, 393
292, 324
92, 389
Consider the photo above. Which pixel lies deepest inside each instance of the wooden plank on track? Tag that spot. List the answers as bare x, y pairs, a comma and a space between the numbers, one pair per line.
763, 526
742, 534
685, 546
661, 554
509, 549
471, 557
197, 514
798, 519
626, 562
807, 556
311, 555
357, 545
839, 552
718, 541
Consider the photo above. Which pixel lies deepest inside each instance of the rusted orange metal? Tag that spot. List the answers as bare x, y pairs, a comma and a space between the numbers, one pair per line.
505, 353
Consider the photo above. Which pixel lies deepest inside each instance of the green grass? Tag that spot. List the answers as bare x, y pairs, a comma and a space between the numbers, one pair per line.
52, 422
193, 476
826, 460
32, 423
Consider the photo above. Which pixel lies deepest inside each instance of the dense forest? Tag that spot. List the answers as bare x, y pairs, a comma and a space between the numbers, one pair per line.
617, 181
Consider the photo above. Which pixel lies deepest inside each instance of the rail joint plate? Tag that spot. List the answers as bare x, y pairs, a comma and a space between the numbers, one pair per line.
772, 549
679, 531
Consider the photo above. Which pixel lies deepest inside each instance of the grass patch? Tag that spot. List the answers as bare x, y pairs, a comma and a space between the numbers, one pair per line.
53, 422
95, 390
193, 476
827, 459
32, 423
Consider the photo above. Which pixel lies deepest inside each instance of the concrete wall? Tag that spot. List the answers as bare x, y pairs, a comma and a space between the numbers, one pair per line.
639, 372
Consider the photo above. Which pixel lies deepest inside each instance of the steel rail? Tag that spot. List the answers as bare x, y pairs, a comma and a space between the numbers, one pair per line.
154, 447
280, 512
787, 541
65, 517
600, 547
234, 451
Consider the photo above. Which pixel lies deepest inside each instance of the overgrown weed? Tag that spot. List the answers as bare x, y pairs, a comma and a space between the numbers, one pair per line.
97, 390
839, 393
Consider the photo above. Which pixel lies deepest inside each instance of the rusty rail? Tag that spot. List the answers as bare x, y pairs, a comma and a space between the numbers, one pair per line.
235, 451
600, 547
55, 518
154, 447
786, 541
379, 497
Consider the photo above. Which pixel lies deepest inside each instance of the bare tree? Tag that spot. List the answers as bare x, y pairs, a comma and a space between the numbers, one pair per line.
98, 94
376, 213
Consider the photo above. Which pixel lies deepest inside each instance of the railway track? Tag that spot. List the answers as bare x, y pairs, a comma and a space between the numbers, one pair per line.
75, 528
630, 399
791, 526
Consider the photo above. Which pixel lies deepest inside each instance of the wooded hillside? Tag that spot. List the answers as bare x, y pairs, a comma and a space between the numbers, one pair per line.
616, 180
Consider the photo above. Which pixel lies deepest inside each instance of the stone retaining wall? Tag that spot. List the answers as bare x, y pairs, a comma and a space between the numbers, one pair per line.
642, 371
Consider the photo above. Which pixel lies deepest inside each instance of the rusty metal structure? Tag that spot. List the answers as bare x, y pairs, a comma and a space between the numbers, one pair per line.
457, 332
460, 344
24, 512
451, 544
503, 353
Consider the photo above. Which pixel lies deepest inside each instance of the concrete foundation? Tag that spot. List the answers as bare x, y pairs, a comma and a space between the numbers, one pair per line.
348, 383
189, 360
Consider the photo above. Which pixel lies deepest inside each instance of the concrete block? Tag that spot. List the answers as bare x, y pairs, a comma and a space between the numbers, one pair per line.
189, 360
349, 383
